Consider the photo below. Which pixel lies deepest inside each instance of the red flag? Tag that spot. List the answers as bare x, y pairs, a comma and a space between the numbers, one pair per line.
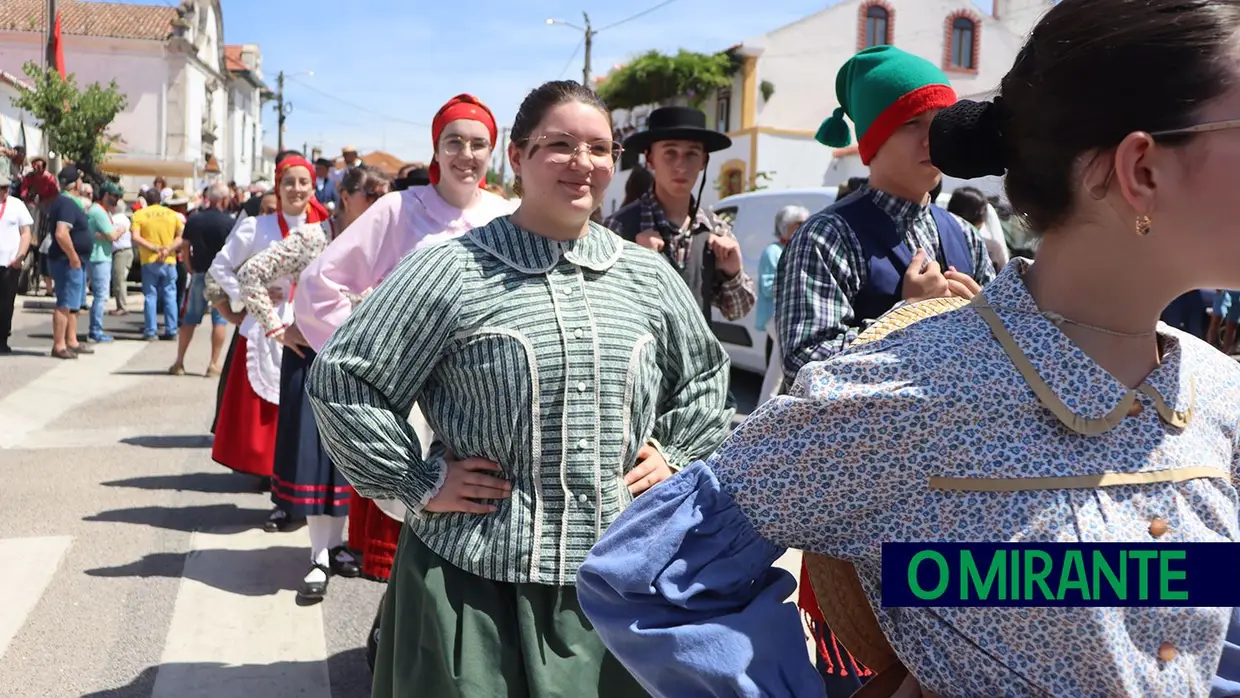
58, 48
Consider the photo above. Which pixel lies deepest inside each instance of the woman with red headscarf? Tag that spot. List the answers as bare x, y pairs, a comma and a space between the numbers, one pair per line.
304, 483
463, 133
245, 433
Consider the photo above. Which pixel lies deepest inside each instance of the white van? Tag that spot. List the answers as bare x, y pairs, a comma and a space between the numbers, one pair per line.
752, 216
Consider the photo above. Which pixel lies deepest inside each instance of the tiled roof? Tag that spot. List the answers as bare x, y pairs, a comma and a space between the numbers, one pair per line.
232, 59
384, 162
103, 19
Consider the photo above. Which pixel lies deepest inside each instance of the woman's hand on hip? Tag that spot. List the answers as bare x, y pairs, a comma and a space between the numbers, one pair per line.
651, 469
466, 482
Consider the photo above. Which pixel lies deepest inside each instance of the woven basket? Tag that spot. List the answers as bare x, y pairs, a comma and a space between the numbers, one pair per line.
837, 587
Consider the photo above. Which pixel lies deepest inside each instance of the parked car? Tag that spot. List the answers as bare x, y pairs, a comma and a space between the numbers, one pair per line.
752, 216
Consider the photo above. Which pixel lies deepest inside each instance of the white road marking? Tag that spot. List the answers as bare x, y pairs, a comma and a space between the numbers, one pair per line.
23, 584
227, 616
29, 409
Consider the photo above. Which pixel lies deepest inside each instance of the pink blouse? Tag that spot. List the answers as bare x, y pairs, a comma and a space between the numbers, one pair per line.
370, 248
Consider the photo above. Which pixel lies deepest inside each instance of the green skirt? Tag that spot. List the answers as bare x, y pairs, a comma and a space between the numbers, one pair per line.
451, 634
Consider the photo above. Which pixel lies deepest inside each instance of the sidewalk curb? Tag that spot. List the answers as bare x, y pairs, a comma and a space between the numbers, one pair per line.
49, 303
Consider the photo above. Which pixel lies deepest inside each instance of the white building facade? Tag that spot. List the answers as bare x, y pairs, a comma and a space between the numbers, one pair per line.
786, 84
170, 64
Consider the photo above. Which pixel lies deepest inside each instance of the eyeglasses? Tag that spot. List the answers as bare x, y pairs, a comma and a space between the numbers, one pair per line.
562, 148
455, 145
1208, 127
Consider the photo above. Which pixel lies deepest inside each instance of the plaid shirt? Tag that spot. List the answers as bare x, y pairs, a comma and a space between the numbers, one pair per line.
823, 270
734, 296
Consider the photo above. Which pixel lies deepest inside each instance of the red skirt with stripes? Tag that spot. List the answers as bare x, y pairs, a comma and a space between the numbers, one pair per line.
373, 534
245, 429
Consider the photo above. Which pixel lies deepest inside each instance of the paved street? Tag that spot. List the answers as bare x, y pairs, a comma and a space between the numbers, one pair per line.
134, 566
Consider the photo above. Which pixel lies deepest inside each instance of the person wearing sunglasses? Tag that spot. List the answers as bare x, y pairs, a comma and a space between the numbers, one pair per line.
359, 188
532, 346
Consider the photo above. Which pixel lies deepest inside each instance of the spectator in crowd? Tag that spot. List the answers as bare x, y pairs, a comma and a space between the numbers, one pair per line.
204, 236
15, 226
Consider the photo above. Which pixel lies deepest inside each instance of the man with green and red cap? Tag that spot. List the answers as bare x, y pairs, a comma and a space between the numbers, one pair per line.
882, 245
885, 243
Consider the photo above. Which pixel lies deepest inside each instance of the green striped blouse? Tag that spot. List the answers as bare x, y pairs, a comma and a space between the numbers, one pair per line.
556, 360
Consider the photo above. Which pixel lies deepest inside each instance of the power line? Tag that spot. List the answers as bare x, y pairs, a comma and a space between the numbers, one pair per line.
358, 107
643, 13
570, 59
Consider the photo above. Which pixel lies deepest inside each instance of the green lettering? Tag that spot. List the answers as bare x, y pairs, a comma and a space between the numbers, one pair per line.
1014, 585
944, 575
1073, 576
1038, 577
1166, 574
971, 577
1102, 568
1143, 558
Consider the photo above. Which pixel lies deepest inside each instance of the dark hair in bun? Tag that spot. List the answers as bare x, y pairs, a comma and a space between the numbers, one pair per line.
1091, 72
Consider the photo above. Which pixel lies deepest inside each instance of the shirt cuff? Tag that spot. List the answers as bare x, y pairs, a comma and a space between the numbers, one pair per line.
409, 488
734, 283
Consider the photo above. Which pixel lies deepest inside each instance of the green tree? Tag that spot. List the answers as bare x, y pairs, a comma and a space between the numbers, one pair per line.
654, 77
493, 177
74, 121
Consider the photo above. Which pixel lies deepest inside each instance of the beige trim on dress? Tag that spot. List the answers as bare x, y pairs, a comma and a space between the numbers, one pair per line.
1075, 422
1075, 482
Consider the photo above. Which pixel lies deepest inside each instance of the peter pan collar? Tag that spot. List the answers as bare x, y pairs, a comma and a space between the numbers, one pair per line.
535, 254
1081, 394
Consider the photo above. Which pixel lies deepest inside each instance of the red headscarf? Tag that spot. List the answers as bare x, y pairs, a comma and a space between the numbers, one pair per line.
462, 106
315, 211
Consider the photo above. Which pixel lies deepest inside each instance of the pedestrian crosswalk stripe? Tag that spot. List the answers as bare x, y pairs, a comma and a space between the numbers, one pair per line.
23, 584
226, 613
41, 402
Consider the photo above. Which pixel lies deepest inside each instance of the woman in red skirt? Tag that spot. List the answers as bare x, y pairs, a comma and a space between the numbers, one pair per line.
245, 430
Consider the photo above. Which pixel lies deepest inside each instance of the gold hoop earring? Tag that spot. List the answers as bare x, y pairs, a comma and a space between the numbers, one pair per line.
1143, 225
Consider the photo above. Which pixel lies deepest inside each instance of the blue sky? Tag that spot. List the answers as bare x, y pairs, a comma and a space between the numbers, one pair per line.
401, 60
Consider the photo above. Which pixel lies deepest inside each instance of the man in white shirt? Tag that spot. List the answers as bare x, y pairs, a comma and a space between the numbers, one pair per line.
15, 225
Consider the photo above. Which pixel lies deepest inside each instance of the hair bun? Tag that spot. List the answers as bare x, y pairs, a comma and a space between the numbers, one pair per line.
966, 140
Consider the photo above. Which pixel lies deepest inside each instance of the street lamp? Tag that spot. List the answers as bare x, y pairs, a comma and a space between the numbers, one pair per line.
588, 40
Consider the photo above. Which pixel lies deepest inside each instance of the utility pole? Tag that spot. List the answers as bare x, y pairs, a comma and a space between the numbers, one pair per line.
49, 57
280, 112
589, 42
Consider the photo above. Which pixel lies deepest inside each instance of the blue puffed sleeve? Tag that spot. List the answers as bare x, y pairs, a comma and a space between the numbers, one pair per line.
681, 589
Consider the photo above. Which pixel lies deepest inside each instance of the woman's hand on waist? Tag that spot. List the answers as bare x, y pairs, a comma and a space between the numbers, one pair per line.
465, 483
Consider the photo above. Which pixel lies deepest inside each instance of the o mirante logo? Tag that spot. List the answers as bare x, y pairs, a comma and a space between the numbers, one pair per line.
1060, 574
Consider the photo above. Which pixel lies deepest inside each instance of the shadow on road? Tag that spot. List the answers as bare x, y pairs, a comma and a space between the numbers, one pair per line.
169, 440
346, 671
188, 519
211, 483
261, 572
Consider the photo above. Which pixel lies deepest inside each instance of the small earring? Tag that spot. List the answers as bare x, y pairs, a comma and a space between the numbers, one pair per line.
1143, 225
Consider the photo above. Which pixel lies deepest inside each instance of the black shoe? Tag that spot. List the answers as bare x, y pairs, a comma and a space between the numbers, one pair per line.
5, 349
279, 522
313, 592
343, 563
167, 337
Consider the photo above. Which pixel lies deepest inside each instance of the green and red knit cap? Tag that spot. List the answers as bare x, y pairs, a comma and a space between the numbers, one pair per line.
881, 89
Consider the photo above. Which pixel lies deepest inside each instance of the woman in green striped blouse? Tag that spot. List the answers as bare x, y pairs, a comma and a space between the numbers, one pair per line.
565, 371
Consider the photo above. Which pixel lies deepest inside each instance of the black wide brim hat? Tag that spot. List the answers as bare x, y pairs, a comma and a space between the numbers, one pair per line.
677, 124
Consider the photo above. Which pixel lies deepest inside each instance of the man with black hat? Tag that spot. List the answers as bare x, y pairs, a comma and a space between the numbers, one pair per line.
670, 220
71, 244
